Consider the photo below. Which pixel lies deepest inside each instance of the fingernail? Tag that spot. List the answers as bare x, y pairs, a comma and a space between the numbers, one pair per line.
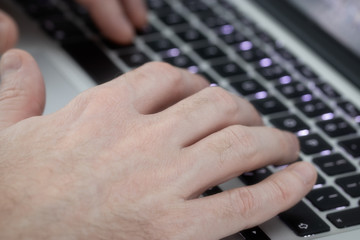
10, 62
305, 171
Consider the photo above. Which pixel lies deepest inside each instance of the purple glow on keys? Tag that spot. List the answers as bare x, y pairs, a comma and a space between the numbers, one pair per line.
357, 119
227, 29
245, 46
285, 80
306, 98
174, 52
302, 133
265, 62
325, 153
327, 116
214, 85
261, 95
193, 69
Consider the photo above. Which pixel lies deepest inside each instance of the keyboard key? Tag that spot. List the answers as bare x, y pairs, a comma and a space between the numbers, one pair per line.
248, 87
254, 233
352, 146
320, 180
173, 19
314, 108
291, 123
147, 30
273, 72
135, 59
293, 90
233, 38
160, 7
252, 55
334, 164
285, 54
62, 29
181, 61
210, 52
306, 71
269, 105
253, 177
93, 61
350, 109
195, 6
229, 69
212, 21
212, 191
346, 218
327, 198
313, 143
161, 45
191, 35
328, 90
336, 127
303, 221
351, 185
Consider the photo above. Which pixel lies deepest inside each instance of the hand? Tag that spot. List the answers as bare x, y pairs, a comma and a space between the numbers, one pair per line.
129, 158
8, 32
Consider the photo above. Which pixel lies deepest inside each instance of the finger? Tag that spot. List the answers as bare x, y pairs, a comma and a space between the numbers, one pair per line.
111, 19
155, 86
136, 12
8, 32
235, 150
207, 112
226, 213
22, 90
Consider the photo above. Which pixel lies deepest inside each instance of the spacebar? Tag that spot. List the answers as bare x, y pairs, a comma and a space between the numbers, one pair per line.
304, 221
92, 60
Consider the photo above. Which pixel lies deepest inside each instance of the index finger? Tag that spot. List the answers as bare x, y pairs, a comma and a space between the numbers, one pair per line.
8, 32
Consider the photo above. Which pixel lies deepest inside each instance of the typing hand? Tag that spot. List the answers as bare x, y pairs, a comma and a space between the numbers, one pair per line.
117, 19
128, 159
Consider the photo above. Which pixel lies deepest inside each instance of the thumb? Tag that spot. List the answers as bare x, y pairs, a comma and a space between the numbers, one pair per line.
22, 90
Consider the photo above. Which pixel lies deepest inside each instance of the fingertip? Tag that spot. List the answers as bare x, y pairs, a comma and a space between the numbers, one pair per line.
8, 32
305, 171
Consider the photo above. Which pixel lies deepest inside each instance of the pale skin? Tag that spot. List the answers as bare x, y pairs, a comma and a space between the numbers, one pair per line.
128, 159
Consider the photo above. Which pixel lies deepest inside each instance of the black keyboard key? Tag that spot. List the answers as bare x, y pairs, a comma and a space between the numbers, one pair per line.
212, 21
196, 6
248, 87
116, 46
181, 61
191, 35
233, 38
135, 59
208, 77
351, 185
61, 29
303, 221
173, 19
291, 123
334, 164
314, 108
306, 71
336, 127
39, 9
320, 180
161, 45
254, 177
229, 69
254, 233
350, 109
313, 143
147, 30
93, 61
328, 90
160, 7
273, 72
346, 218
327, 198
252, 55
269, 105
212, 191
352, 146
285, 54
210, 52
293, 90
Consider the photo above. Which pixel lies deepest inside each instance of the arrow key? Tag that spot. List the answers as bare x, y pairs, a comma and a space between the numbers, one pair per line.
254, 234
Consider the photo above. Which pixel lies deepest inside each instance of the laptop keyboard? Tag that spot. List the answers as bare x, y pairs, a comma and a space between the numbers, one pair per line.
212, 38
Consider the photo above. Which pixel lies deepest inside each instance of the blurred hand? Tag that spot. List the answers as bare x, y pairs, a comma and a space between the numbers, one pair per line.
117, 19
128, 159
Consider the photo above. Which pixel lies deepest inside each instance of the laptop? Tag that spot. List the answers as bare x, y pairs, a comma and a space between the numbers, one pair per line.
297, 61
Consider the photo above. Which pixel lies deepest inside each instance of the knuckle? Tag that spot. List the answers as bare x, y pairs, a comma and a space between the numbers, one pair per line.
225, 101
242, 202
280, 190
10, 93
